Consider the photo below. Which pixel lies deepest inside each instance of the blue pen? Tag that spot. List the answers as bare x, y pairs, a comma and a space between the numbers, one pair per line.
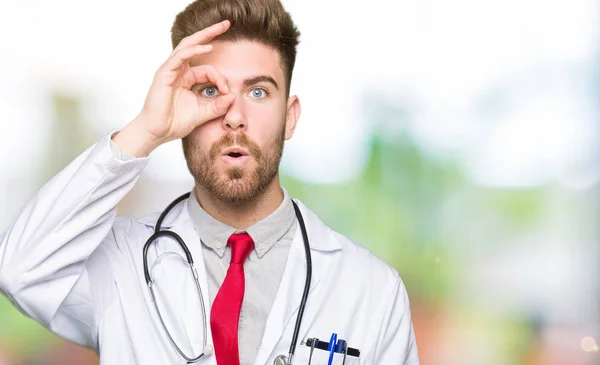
331, 347
340, 346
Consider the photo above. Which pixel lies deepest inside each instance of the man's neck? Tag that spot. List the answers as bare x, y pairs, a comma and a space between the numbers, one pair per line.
244, 215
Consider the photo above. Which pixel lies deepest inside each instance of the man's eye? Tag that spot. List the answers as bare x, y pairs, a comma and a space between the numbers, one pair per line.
209, 92
258, 93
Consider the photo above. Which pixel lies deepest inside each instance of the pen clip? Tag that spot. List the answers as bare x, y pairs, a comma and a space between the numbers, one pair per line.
341, 348
332, 347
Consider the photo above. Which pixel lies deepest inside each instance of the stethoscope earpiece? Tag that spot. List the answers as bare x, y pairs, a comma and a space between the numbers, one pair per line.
208, 350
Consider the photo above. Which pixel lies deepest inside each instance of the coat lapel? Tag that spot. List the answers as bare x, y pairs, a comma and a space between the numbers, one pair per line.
191, 313
289, 295
187, 319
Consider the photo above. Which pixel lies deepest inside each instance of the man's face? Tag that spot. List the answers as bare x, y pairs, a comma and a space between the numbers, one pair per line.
236, 157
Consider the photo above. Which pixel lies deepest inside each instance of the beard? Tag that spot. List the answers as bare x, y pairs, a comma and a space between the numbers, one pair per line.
238, 184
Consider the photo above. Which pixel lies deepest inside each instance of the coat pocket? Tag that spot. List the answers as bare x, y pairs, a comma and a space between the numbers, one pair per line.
321, 357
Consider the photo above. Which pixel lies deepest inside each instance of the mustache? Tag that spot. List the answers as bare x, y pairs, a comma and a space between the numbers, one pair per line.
235, 139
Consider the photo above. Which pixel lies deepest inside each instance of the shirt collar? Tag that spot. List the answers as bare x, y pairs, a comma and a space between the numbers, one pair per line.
265, 233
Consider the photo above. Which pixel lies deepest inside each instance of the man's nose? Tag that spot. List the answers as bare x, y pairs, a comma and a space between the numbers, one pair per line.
235, 117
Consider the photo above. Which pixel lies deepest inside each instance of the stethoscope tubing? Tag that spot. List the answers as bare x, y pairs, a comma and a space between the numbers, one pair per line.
306, 283
159, 233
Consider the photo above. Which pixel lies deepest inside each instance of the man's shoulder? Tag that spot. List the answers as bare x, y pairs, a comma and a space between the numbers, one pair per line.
128, 235
359, 258
128, 223
364, 260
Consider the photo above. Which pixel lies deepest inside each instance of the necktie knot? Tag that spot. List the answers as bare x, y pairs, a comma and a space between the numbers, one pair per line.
241, 246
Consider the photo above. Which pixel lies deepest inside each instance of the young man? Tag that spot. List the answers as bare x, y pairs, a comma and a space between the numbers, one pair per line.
70, 264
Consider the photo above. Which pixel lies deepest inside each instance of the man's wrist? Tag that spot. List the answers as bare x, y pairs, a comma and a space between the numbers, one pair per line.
135, 140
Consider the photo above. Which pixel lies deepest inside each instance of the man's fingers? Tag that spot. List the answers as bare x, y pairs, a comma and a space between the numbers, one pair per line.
192, 46
203, 36
183, 55
207, 73
215, 108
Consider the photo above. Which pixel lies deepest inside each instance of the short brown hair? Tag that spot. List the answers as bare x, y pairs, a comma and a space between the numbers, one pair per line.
264, 21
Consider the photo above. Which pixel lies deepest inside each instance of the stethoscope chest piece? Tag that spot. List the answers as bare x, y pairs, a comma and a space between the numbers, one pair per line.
281, 360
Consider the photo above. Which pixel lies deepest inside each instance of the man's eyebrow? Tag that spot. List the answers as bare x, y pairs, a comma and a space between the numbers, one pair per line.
262, 78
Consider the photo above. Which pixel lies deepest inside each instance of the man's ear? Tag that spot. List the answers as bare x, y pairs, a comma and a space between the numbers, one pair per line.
292, 116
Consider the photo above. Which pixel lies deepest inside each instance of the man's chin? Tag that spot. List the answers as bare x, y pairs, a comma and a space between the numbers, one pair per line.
234, 190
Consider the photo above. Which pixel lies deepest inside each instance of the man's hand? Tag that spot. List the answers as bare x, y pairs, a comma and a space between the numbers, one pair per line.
171, 110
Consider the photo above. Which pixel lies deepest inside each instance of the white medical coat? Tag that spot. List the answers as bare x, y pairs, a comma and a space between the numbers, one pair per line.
68, 262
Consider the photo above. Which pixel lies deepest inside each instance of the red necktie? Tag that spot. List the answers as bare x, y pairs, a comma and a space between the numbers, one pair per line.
225, 312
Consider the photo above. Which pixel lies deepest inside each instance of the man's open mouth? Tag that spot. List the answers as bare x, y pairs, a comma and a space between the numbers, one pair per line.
235, 153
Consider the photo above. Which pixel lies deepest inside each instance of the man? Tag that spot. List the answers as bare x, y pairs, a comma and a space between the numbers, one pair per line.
70, 264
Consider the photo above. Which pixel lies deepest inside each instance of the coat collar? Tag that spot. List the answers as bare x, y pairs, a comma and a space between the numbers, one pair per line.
284, 311
319, 234
188, 317
318, 228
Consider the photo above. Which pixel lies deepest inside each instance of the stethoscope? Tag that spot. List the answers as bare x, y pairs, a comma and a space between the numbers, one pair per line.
207, 349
